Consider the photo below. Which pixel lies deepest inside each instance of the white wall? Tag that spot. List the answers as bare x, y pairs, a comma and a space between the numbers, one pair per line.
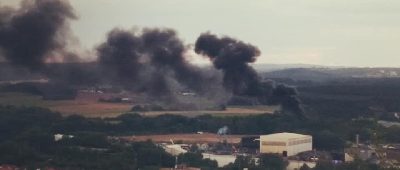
272, 149
291, 149
295, 149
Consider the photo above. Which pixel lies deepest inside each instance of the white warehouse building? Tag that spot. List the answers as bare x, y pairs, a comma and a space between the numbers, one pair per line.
287, 144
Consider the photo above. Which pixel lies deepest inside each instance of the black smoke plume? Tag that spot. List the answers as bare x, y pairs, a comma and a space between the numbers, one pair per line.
33, 33
287, 97
119, 56
166, 52
151, 61
233, 57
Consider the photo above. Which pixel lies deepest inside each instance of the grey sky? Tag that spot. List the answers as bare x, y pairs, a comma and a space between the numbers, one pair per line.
327, 32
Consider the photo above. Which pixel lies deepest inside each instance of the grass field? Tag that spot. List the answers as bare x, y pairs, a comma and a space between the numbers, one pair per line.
87, 105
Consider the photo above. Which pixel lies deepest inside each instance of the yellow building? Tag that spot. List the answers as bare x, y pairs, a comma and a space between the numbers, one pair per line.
287, 144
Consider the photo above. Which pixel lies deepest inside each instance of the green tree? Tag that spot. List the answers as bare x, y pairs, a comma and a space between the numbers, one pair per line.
326, 140
243, 162
196, 160
272, 162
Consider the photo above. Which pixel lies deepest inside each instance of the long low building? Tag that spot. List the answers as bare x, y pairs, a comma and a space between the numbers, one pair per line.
287, 144
222, 160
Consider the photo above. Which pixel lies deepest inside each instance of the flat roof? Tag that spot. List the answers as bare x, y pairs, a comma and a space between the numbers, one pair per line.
283, 136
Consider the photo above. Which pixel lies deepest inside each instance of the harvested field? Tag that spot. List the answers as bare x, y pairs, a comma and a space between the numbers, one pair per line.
87, 104
185, 138
230, 111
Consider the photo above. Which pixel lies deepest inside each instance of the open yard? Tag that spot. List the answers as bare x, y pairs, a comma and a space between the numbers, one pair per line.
185, 138
230, 111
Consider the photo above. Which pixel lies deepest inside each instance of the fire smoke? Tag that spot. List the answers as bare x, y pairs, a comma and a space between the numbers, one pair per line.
233, 57
35, 32
150, 61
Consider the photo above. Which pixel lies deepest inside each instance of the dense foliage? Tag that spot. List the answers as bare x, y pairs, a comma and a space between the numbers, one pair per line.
265, 162
28, 136
351, 98
195, 159
27, 140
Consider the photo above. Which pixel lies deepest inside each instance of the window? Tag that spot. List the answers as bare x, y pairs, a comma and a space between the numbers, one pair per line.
273, 143
298, 142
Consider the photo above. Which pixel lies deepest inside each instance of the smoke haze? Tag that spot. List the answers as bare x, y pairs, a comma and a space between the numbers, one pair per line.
149, 61
33, 33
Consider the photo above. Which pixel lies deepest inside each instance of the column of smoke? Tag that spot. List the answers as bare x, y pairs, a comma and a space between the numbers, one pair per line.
35, 33
223, 130
151, 61
233, 57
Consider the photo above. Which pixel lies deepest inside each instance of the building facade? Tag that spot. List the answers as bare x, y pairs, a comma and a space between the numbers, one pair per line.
286, 144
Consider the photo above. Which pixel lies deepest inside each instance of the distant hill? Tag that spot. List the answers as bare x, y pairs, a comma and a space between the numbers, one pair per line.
279, 71
301, 74
329, 73
275, 67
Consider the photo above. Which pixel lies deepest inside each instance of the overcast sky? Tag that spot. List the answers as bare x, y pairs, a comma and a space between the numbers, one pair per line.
326, 32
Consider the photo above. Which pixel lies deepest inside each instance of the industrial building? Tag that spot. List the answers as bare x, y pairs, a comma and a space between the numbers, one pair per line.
287, 144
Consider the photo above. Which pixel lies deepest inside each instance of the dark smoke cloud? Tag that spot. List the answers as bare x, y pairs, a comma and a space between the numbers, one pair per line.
36, 37
232, 57
166, 52
35, 31
287, 97
119, 56
151, 61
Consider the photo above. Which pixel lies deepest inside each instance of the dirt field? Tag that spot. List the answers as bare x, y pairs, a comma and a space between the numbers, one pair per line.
230, 111
186, 138
86, 104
